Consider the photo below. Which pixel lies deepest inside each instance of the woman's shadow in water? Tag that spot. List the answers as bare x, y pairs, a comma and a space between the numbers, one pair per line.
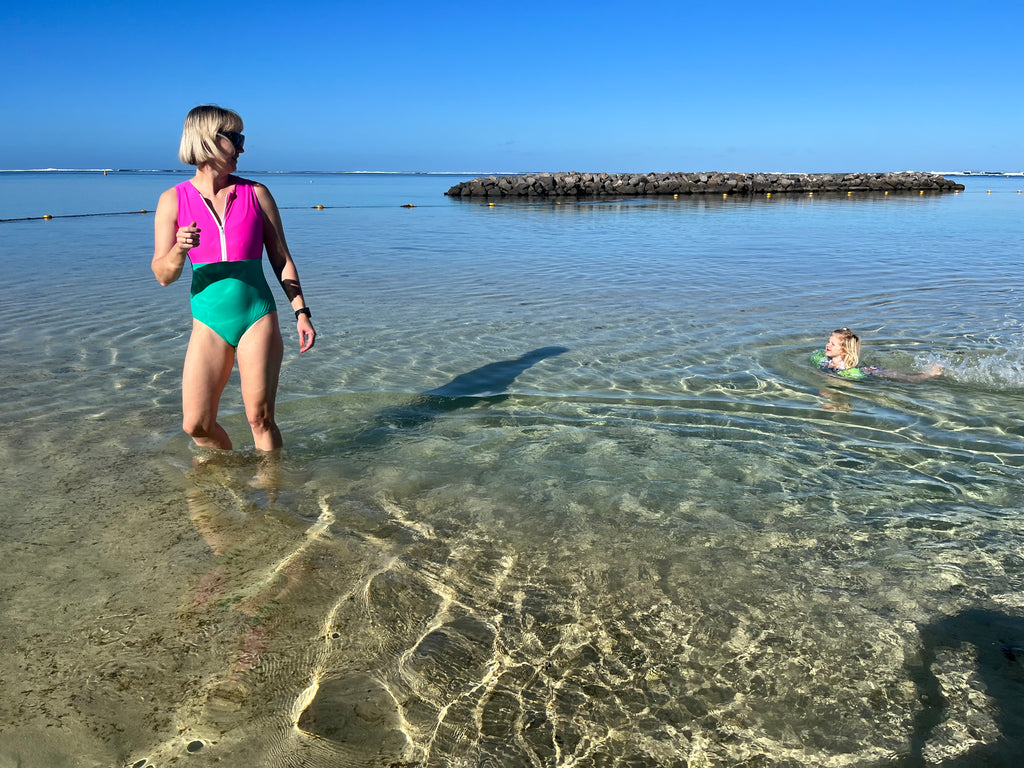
999, 641
488, 383
493, 378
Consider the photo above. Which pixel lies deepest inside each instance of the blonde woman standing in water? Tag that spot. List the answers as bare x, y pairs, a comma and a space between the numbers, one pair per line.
222, 223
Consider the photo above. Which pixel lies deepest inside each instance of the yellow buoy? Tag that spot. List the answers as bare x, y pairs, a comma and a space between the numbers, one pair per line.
408, 205
675, 197
768, 194
887, 191
990, 191
810, 194
491, 205
47, 217
319, 207
143, 211
922, 191
848, 194
724, 195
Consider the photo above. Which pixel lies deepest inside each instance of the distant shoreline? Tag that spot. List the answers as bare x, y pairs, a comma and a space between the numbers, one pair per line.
983, 173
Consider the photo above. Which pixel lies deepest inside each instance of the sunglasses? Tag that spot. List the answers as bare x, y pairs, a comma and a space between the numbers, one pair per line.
236, 139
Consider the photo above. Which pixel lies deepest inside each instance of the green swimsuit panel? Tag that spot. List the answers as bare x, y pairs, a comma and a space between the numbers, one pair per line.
229, 296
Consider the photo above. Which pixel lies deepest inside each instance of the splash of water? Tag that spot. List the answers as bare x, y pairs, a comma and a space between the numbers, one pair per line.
1002, 370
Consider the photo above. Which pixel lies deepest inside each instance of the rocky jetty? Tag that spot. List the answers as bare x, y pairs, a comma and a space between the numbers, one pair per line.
575, 184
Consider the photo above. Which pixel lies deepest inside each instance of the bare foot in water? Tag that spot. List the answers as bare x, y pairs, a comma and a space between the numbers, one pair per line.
268, 475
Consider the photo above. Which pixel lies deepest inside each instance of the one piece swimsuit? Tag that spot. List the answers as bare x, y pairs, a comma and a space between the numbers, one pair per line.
229, 290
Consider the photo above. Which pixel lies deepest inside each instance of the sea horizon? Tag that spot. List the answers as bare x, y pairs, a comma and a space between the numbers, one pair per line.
483, 173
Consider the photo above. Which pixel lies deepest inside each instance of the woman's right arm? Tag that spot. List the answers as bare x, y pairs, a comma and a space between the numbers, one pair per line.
169, 251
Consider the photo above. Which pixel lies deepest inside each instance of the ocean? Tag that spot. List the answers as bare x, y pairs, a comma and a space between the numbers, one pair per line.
560, 485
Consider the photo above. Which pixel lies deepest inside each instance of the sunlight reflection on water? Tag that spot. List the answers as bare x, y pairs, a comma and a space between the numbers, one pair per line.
560, 487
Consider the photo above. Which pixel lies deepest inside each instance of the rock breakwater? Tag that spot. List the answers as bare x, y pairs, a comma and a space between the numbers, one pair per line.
575, 184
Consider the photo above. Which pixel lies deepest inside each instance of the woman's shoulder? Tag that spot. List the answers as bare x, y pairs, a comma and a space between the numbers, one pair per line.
249, 183
168, 197
253, 191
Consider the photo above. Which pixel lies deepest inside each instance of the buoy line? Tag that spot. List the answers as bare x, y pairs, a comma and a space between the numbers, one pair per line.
48, 216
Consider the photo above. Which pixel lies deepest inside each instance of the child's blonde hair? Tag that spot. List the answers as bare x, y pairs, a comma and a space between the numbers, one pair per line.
851, 346
199, 137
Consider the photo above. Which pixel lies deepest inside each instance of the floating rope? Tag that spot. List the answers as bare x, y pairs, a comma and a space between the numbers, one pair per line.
48, 217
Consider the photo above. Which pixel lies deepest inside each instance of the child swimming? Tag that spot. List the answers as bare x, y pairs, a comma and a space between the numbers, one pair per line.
841, 357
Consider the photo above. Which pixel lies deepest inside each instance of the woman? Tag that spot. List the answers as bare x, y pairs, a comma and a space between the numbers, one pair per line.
222, 223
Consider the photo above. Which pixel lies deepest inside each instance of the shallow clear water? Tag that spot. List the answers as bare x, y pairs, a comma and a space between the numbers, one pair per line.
560, 487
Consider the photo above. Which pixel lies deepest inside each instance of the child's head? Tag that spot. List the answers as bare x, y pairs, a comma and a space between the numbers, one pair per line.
844, 344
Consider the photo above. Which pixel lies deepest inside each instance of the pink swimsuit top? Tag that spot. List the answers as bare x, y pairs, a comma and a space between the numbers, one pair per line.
241, 236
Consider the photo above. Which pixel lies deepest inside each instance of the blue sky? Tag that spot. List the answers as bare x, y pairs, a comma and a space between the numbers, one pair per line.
460, 86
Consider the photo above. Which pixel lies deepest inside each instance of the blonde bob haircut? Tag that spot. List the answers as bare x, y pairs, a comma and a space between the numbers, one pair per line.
851, 346
199, 143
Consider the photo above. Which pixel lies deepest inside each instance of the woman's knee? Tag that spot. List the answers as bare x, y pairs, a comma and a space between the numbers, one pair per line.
196, 427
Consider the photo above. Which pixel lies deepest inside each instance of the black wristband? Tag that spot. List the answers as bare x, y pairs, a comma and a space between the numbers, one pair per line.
304, 311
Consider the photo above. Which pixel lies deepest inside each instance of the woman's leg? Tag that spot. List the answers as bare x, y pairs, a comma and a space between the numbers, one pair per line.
208, 363
260, 352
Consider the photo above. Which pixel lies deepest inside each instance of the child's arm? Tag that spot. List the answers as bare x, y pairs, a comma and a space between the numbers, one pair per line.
886, 373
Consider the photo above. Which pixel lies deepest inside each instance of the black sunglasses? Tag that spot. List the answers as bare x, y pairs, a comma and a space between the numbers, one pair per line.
236, 139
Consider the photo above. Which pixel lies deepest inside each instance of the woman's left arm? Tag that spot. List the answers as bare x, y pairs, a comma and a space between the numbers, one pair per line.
283, 265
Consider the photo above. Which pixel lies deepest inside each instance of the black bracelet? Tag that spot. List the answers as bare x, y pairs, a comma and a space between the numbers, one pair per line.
304, 311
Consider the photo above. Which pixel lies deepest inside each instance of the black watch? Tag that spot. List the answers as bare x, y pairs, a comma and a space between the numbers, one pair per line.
304, 311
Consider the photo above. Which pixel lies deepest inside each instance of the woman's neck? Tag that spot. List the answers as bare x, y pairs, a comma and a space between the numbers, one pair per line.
209, 181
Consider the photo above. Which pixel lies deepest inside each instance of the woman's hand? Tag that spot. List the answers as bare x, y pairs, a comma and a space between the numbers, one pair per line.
307, 334
188, 237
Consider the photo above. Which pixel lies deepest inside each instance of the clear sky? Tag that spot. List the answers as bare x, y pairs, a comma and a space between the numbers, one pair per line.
521, 86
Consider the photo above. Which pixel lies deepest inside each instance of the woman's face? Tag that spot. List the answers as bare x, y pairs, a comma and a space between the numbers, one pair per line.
230, 150
834, 347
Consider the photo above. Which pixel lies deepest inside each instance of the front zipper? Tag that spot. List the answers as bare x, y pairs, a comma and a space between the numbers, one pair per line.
220, 226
